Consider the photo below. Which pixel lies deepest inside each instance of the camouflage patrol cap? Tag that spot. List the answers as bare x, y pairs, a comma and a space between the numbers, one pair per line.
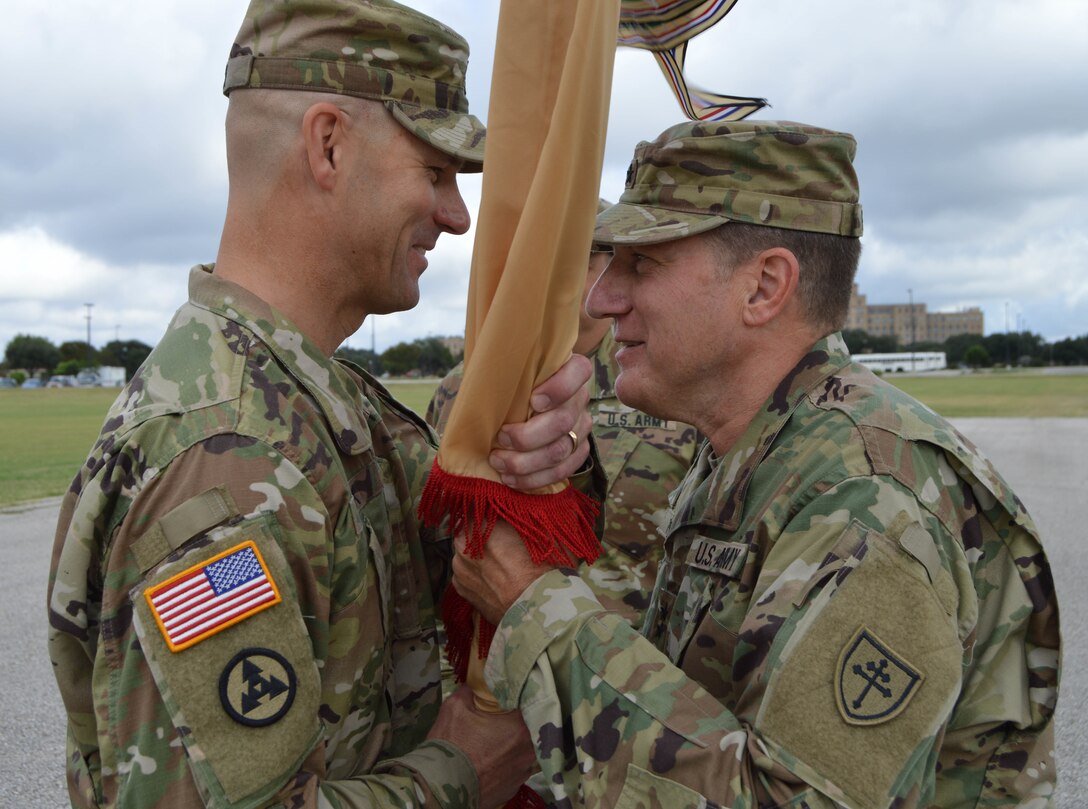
375, 49
697, 176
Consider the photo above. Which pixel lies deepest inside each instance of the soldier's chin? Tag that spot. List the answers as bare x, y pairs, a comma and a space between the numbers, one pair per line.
630, 392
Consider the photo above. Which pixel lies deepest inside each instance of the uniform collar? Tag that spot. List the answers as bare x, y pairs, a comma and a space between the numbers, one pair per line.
715, 490
333, 387
602, 384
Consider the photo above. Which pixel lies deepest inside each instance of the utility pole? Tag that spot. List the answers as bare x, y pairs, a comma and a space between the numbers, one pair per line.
913, 338
373, 352
1008, 363
1019, 332
90, 359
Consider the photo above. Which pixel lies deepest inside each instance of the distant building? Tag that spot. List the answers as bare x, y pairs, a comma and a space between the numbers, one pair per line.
910, 323
903, 361
942, 325
456, 345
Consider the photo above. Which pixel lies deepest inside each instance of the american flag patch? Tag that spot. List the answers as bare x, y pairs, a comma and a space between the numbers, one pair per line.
209, 597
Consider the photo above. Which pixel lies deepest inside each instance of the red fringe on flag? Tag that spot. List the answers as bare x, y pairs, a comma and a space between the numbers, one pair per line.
556, 528
457, 618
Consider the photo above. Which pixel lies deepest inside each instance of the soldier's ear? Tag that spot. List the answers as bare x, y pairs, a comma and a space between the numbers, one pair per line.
773, 277
323, 135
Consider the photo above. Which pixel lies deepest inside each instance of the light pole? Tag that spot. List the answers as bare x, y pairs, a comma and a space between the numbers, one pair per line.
1008, 362
89, 348
913, 339
1019, 332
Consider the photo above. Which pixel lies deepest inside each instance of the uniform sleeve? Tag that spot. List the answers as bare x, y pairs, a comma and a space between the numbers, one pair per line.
844, 672
240, 659
438, 409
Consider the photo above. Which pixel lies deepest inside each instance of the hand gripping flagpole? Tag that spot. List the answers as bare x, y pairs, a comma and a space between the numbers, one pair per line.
547, 120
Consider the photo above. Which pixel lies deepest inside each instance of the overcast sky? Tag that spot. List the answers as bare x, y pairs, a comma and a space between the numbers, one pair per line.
970, 117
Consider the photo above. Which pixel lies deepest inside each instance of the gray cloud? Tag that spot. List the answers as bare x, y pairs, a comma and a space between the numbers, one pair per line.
973, 150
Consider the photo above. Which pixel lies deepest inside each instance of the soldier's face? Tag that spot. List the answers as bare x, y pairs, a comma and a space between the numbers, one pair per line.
590, 330
403, 196
673, 306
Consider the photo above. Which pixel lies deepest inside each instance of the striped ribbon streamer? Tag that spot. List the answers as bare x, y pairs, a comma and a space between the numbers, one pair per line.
659, 26
700, 105
664, 27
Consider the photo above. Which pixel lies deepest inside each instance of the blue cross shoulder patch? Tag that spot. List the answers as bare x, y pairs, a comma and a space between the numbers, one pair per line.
874, 684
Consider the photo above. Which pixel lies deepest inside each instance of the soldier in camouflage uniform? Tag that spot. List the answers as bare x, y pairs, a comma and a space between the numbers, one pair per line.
643, 457
854, 609
241, 601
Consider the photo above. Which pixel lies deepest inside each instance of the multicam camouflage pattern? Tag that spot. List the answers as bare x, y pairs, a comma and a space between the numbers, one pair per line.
854, 610
321, 468
644, 458
375, 49
697, 176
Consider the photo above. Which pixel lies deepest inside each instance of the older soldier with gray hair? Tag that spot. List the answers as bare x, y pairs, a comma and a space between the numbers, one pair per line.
854, 609
241, 601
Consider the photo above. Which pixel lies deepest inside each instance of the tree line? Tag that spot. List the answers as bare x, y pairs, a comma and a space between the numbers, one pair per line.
427, 356
39, 356
1023, 349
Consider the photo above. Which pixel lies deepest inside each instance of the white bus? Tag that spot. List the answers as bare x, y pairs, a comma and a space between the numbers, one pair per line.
903, 361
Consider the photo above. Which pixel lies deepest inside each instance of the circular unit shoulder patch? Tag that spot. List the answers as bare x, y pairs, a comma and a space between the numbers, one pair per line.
257, 687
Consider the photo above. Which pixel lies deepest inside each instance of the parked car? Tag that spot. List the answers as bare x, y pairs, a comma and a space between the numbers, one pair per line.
33, 382
7, 382
87, 379
61, 381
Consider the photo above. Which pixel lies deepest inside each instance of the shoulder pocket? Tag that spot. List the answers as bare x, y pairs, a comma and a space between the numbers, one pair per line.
833, 569
224, 638
867, 672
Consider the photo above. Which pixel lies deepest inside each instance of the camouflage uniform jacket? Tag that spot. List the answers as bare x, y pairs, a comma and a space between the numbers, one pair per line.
854, 610
241, 456
643, 458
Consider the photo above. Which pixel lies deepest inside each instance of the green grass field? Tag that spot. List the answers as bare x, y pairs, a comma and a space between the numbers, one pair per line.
45, 434
417, 395
1011, 395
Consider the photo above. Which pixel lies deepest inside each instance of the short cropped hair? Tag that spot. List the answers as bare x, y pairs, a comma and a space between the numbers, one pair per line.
827, 264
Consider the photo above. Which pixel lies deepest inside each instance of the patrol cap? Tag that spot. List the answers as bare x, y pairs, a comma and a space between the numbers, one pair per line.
597, 247
697, 176
375, 49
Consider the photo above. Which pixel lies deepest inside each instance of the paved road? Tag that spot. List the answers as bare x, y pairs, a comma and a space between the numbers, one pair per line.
31, 718
1046, 460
